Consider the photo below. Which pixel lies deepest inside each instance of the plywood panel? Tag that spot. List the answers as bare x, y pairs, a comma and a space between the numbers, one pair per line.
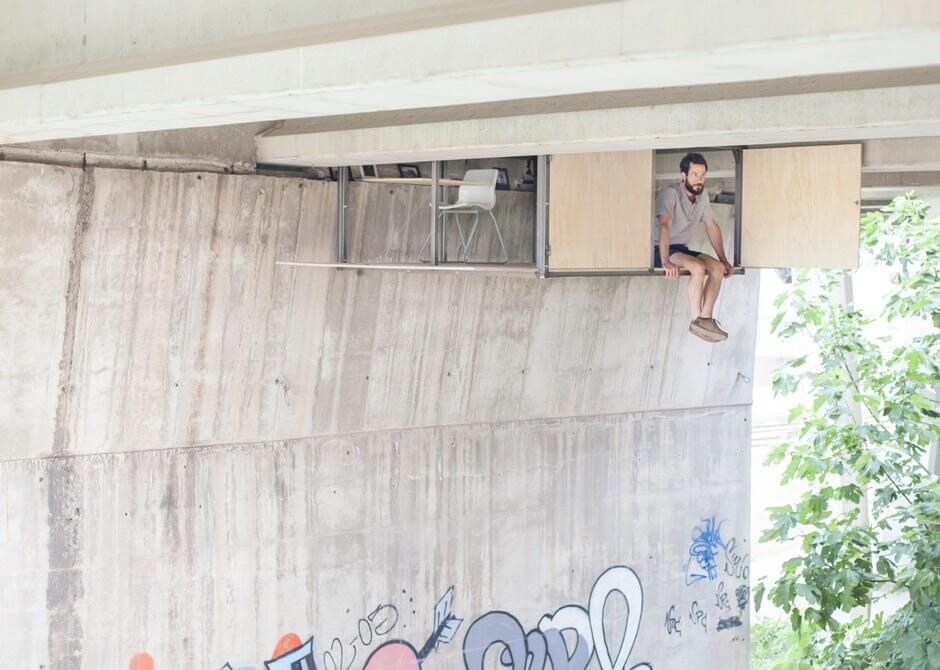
600, 210
800, 206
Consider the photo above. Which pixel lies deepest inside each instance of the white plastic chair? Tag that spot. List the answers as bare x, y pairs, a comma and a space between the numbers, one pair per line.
477, 194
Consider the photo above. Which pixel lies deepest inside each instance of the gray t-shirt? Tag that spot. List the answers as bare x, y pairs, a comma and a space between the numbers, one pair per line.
673, 201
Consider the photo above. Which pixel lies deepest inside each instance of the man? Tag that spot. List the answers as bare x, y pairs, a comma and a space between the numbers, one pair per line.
679, 209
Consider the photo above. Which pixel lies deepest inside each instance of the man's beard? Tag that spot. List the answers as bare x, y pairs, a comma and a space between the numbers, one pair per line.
694, 190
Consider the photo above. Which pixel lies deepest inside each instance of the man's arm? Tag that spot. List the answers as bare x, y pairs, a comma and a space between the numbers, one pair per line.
714, 236
672, 270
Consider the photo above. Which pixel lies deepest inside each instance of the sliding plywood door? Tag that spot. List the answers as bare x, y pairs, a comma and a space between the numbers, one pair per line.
600, 210
800, 206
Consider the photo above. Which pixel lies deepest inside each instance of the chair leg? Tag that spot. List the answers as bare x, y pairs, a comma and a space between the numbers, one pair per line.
427, 243
499, 236
473, 232
462, 248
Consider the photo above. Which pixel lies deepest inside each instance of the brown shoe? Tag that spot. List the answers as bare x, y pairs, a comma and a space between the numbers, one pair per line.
713, 325
701, 330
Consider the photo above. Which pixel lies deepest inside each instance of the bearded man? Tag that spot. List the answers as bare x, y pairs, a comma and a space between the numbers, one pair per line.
679, 209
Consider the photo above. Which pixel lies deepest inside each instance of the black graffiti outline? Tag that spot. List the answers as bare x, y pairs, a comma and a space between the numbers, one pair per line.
743, 595
375, 633
502, 627
698, 616
672, 622
298, 658
721, 598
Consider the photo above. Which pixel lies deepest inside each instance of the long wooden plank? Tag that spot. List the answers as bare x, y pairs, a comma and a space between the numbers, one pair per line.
800, 206
600, 210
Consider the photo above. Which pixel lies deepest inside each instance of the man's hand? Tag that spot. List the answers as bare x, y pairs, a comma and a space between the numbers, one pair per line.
728, 267
672, 270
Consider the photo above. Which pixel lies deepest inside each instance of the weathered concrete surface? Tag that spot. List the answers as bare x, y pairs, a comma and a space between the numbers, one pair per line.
205, 555
38, 213
186, 332
76, 40
459, 53
224, 450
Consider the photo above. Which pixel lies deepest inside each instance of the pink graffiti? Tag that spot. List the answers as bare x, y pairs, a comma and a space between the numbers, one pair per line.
394, 656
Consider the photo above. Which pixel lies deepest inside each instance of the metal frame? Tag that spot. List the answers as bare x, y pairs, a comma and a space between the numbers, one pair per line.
738, 197
435, 204
442, 173
621, 272
542, 248
541, 215
341, 179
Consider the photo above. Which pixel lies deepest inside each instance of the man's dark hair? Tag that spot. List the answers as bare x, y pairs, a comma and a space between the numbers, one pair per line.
688, 159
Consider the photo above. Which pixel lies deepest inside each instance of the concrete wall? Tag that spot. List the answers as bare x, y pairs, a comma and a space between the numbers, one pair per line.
203, 452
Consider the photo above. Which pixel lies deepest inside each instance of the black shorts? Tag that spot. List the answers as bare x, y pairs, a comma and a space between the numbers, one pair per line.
673, 248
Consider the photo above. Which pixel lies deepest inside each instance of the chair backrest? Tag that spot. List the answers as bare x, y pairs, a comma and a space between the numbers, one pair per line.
481, 191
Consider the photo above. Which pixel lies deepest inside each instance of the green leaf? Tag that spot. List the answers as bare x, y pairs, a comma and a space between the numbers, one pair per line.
758, 595
933, 654
795, 412
921, 401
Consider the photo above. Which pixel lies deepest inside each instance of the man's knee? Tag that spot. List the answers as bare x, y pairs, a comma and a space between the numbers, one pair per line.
697, 269
714, 267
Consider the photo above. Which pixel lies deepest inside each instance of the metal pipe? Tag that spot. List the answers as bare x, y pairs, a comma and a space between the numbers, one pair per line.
83, 159
491, 268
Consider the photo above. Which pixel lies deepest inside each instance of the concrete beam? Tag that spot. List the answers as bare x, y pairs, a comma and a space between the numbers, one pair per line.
576, 50
919, 155
75, 40
898, 112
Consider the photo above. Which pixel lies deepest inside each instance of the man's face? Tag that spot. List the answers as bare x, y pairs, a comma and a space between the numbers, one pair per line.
694, 179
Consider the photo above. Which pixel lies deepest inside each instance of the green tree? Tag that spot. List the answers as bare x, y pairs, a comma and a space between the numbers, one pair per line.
864, 591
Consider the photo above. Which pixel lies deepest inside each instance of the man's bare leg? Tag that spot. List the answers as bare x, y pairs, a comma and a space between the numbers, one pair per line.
696, 271
716, 272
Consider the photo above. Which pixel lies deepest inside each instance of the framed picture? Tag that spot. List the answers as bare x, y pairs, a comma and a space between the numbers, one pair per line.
502, 179
408, 171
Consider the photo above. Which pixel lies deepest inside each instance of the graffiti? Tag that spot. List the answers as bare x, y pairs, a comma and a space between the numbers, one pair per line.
730, 622
141, 661
721, 598
736, 565
672, 622
300, 658
743, 595
572, 638
715, 562
400, 655
546, 643
290, 654
698, 616
706, 543
377, 623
